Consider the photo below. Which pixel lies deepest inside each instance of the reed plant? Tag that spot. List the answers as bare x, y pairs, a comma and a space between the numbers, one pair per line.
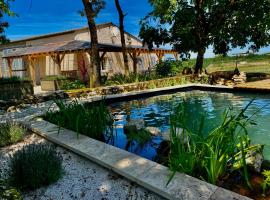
94, 120
209, 156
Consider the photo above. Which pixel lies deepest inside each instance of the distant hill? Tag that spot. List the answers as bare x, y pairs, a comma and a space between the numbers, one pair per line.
249, 63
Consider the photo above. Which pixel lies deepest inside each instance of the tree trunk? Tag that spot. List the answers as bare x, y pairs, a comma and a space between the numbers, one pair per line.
199, 61
95, 71
122, 32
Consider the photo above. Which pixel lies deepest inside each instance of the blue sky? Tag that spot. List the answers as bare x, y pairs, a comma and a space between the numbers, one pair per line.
49, 16
59, 15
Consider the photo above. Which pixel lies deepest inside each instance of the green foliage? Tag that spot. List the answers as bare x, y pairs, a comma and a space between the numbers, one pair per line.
4, 10
7, 192
11, 133
34, 166
55, 78
13, 79
212, 156
168, 68
266, 182
140, 136
72, 85
120, 79
195, 25
94, 120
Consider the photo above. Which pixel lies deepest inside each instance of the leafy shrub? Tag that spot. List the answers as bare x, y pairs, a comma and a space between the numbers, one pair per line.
72, 85
55, 78
119, 79
13, 79
94, 121
11, 133
34, 166
168, 68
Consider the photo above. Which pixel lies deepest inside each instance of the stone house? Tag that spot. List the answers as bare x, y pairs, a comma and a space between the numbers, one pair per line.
65, 53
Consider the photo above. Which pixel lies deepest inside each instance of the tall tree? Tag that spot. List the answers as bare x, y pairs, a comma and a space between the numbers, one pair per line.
122, 33
91, 8
194, 25
4, 9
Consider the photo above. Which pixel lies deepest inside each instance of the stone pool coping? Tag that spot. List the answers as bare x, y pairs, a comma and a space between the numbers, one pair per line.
145, 173
157, 91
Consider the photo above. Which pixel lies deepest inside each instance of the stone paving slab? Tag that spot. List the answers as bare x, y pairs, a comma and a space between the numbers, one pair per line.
222, 194
146, 173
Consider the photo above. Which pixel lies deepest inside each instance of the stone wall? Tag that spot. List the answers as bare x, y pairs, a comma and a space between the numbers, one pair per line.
117, 89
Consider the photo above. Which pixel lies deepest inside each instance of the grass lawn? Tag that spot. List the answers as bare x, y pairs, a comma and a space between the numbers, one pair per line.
250, 63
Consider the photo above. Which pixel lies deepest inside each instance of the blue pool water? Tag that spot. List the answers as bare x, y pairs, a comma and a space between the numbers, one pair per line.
155, 111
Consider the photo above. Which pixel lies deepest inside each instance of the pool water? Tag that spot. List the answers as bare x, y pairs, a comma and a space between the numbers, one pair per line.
155, 111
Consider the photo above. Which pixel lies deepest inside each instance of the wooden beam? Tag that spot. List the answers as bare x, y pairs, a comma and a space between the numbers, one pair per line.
102, 55
9, 62
160, 56
32, 70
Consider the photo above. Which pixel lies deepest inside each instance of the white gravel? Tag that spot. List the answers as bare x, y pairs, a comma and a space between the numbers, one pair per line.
82, 179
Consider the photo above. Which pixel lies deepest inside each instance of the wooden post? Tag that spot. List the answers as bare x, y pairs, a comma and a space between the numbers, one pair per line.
160, 56
134, 56
32, 70
176, 56
102, 56
9, 62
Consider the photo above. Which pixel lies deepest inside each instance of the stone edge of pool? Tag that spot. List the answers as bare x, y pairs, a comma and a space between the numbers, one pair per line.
146, 173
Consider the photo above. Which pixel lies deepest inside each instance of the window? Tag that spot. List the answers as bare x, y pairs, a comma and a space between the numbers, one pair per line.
18, 67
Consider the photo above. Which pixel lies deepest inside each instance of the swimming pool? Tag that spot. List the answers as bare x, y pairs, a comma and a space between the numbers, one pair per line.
155, 111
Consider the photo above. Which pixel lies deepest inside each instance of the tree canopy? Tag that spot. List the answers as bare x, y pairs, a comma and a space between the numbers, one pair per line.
4, 10
194, 25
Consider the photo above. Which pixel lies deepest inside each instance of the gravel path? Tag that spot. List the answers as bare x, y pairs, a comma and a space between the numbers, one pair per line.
82, 179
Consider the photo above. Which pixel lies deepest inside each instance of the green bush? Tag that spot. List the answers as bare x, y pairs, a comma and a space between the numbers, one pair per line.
94, 120
168, 68
72, 85
11, 133
119, 79
55, 78
13, 79
34, 166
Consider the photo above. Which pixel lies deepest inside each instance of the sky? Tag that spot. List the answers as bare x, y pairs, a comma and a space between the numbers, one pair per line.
36, 17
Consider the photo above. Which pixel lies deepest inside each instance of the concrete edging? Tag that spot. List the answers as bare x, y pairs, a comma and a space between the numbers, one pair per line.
145, 173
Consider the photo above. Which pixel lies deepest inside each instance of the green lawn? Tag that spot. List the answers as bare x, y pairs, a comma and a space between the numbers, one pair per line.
250, 63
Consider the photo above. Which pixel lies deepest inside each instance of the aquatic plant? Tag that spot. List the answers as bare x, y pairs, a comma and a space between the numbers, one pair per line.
140, 136
34, 166
266, 181
93, 120
209, 156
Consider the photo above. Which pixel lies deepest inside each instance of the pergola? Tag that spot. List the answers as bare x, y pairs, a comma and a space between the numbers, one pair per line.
57, 52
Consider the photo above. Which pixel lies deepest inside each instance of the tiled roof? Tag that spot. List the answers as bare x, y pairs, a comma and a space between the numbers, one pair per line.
69, 46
